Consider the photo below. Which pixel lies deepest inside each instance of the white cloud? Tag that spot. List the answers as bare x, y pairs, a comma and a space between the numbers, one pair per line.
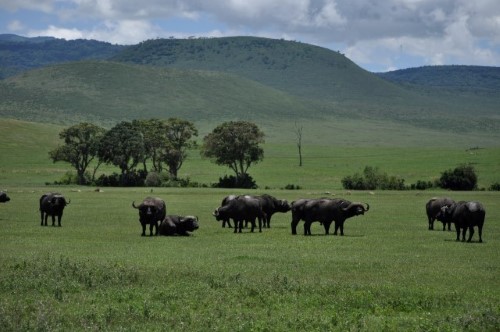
57, 32
15, 26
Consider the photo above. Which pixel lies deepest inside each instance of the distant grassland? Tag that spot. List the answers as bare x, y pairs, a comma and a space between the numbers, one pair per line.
327, 156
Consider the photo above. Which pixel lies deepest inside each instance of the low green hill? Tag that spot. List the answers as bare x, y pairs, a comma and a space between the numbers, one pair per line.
107, 92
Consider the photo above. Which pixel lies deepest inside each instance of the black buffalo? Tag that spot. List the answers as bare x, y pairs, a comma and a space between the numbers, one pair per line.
433, 210
241, 208
271, 205
52, 204
226, 200
152, 210
4, 197
325, 211
465, 215
177, 225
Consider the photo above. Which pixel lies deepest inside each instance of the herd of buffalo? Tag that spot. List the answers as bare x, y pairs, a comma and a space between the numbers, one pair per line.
249, 208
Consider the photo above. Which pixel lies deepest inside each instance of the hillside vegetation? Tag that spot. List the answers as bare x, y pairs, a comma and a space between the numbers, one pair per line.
271, 82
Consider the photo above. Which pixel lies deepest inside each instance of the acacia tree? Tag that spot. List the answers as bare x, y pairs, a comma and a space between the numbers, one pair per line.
80, 147
179, 138
153, 133
122, 146
234, 144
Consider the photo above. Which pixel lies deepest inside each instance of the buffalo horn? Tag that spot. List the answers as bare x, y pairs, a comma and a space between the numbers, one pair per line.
133, 205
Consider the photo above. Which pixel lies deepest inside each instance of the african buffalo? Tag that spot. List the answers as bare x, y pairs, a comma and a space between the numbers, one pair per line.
3, 197
325, 211
433, 210
52, 204
465, 215
152, 210
241, 208
271, 205
225, 200
177, 225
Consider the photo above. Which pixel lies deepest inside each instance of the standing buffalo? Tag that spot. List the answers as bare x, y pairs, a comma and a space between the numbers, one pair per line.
325, 211
241, 208
271, 205
152, 210
3, 197
226, 200
52, 204
465, 215
433, 209
173, 225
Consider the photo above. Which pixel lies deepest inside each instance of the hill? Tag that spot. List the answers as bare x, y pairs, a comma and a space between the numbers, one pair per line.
269, 81
19, 54
107, 92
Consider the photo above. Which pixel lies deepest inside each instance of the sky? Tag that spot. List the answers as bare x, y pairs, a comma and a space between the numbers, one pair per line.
378, 35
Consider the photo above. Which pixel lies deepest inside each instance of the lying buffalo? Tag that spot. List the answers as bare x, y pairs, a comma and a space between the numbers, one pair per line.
325, 211
177, 225
433, 210
152, 210
465, 215
4, 197
52, 204
241, 208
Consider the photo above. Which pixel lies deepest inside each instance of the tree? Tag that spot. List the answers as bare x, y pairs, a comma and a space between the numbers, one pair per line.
122, 146
298, 133
80, 147
234, 144
179, 138
153, 133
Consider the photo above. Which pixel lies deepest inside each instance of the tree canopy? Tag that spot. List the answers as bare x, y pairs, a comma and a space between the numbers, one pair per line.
122, 146
234, 144
80, 147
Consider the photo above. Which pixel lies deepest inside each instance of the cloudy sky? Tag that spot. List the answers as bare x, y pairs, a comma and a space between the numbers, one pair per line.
378, 35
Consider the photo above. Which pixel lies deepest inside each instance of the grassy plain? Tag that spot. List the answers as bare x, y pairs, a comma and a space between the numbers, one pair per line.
388, 273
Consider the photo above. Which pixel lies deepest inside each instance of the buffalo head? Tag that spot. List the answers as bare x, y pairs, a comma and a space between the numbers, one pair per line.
189, 223
356, 208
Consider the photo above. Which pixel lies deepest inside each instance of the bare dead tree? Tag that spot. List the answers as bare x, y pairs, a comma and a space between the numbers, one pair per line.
298, 134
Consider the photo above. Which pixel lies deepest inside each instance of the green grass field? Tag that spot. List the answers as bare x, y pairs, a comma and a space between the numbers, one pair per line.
388, 273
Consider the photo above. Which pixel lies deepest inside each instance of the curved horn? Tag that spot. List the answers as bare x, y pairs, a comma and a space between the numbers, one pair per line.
69, 201
350, 206
367, 207
133, 205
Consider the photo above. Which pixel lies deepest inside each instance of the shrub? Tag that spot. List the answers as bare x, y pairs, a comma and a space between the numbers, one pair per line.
292, 187
153, 179
422, 185
244, 181
372, 179
131, 179
461, 178
495, 187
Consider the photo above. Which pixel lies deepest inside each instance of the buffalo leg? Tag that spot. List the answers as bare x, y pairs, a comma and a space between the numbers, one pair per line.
480, 233
41, 215
143, 229
307, 228
260, 224
471, 233
431, 224
294, 226
326, 225
53, 220
336, 228
59, 220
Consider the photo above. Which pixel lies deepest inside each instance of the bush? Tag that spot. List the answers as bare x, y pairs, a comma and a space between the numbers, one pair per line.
292, 187
422, 185
244, 181
372, 179
131, 179
461, 178
153, 179
494, 187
